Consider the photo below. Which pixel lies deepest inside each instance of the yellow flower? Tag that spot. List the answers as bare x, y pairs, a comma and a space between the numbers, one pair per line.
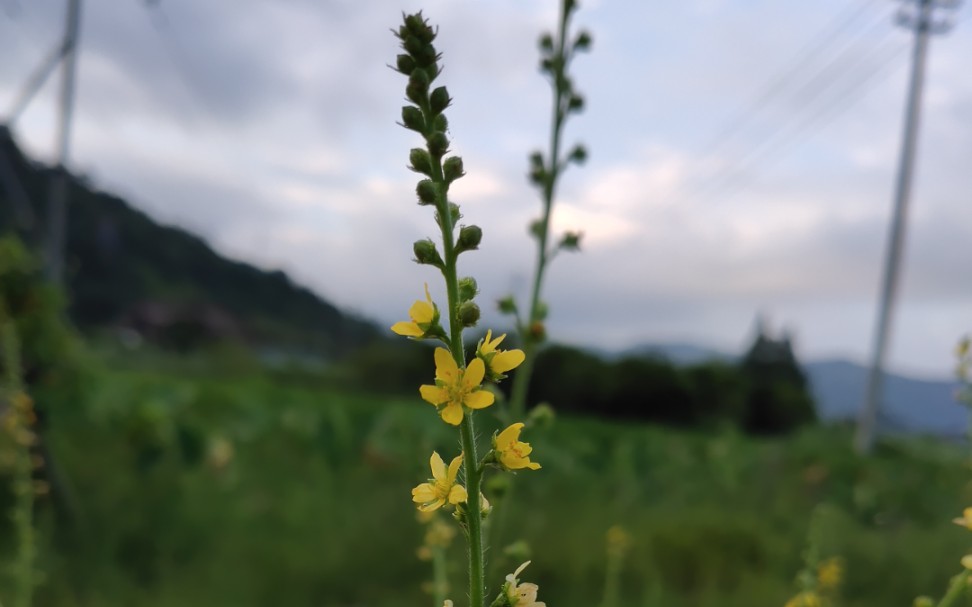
510, 452
829, 574
805, 599
498, 362
424, 315
967, 561
965, 520
456, 388
521, 595
442, 487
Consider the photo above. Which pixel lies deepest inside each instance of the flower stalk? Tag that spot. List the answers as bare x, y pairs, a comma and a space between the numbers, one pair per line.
545, 172
457, 392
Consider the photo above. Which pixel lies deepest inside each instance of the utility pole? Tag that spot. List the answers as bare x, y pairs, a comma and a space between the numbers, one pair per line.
58, 196
921, 20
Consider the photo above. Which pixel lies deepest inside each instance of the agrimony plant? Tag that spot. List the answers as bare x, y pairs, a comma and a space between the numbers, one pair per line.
557, 53
458, 390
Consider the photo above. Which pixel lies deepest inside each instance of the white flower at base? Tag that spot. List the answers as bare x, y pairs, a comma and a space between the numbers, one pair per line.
521, 595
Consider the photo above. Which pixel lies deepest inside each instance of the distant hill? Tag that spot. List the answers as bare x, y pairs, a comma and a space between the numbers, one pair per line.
120, 263
910, 405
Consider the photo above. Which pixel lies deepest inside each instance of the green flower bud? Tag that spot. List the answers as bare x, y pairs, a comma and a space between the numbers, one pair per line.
541, 416
538, 174
547, 65
542, 310
426, 191
405, 64
469, 238
578, 154
454, 214
537, 331
583, 42
418, 86
426, 58
419, 27
507, 305
452, 169
439, 100
467, 288
412, 118
421, 162
571, 241
576, 103
426, 253
438, 144
412, 45
924, 601
537, 227
546, 43
468, 314
440, 123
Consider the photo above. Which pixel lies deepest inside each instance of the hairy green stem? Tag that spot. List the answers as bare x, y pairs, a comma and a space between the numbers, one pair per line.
473, 474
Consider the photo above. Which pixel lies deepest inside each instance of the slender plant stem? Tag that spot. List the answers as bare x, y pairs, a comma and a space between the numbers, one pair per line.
960, 584
521, 383
440, 581
473, 475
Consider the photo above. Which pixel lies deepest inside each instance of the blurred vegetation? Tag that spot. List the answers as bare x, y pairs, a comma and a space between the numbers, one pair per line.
757, 396
224, 476
234, 488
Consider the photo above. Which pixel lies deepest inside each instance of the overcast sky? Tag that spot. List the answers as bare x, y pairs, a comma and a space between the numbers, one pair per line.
742, 156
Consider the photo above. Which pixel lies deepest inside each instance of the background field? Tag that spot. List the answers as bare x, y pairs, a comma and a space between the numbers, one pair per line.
312, 505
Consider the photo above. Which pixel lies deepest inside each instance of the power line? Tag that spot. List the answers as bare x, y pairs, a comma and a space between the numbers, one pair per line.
807, 59
849, 68
838, 100
803, 59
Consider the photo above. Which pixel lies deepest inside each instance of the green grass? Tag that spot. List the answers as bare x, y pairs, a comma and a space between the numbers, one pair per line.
314, 509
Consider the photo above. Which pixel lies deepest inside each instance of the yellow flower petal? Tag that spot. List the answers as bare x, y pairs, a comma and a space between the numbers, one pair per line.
507, 361
451, 414
438, 466
458, 495
421, 312
434, 394
489, 345
454, 468
474, 374
446, 368
506, 438
479, 399
423, 493
967, 561
407, 329
432, 506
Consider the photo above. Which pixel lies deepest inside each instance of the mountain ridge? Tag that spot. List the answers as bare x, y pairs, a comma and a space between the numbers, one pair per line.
121, 261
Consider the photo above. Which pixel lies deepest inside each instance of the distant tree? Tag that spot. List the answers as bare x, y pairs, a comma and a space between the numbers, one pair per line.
778, 398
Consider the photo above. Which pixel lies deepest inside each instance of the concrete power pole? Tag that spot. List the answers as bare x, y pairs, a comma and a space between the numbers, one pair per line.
58, 200
922, 22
